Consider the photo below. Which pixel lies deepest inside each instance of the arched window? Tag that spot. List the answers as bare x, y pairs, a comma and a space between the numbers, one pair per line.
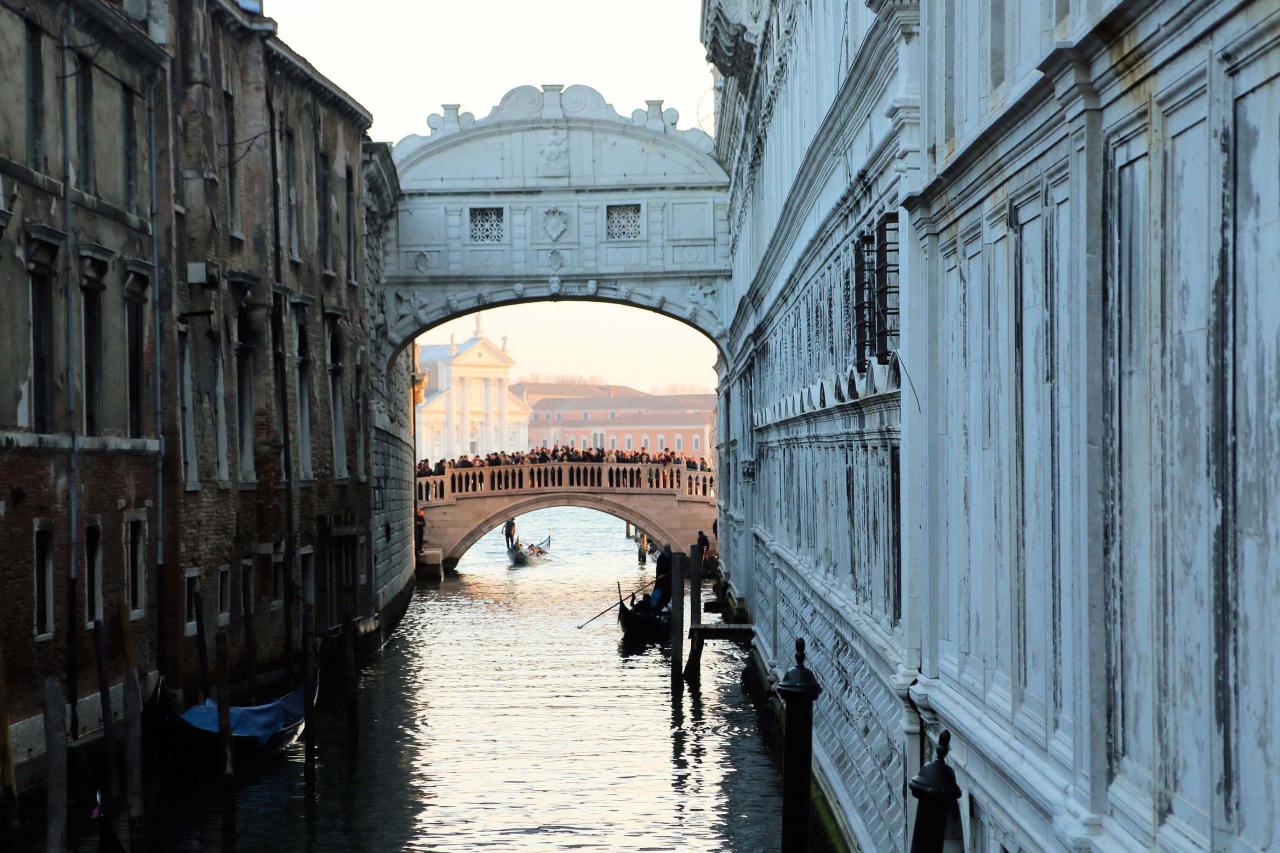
627, 441
644, 442
697, 441
679, 441
662, 441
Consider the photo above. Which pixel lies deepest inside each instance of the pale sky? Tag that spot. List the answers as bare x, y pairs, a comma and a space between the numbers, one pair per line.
403, 59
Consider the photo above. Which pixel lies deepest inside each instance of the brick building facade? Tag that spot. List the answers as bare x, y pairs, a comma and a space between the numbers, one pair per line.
193, 397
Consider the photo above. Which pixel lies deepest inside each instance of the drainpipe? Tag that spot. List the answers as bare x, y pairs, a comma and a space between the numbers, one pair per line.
68, 293
156, 362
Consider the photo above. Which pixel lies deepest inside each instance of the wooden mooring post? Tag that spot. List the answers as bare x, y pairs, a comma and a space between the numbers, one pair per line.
677, 616
132, 715
104, 701
226, 765
202, 645
308, 696
8, 772
55, 744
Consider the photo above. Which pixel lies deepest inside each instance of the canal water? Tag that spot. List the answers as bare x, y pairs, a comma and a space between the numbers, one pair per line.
490, 722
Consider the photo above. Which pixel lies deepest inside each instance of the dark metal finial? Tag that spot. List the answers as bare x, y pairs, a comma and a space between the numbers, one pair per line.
799, 651
944, 744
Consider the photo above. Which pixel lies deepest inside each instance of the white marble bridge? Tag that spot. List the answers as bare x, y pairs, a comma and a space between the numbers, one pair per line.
669, 502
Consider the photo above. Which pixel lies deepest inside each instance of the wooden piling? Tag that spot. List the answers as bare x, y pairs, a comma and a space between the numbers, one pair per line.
308, 695
55, 744
250, 644
695, 589
677, 616
8, 772
225, 765
202, 645
104, 702
132, 715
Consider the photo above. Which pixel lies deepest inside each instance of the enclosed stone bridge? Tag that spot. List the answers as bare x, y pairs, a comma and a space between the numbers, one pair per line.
669, 502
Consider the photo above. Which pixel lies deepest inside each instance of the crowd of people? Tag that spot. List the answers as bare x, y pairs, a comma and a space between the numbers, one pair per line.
667, 458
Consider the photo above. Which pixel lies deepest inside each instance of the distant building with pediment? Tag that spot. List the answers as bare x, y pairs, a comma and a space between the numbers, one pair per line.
465, 405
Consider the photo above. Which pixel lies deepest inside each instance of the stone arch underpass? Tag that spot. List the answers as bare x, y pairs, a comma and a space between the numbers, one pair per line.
556, 196
670, 503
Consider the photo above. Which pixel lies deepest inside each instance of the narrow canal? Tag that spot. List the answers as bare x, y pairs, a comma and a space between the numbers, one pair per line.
491, 723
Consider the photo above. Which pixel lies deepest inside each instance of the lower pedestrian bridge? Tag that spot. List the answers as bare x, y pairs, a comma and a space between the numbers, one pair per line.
671, 503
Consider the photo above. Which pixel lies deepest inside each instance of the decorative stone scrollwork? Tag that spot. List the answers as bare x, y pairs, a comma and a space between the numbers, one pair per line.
553, 285
592, 287
518, 287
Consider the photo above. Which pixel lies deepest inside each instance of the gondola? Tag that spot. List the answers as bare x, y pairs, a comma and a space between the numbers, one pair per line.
520, 556
638, 624
257, 731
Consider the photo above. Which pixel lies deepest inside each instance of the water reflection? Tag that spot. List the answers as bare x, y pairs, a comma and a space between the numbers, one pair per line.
491, 722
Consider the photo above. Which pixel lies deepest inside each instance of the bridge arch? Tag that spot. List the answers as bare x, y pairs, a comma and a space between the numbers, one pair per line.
556, 196
519, 506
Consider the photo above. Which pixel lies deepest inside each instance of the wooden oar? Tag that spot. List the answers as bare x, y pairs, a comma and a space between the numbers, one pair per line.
616, 603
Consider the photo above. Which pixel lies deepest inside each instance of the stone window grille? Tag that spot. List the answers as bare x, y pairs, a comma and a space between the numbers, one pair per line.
487, 225
886, 296
863, 308
622, 222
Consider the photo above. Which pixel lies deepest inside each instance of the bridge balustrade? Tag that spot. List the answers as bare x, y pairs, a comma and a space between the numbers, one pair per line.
538, 477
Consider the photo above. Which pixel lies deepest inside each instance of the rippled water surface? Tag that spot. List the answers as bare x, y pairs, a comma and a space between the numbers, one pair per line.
491, 723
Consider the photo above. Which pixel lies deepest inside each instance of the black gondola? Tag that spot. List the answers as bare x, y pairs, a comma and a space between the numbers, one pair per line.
257, 731
638, 623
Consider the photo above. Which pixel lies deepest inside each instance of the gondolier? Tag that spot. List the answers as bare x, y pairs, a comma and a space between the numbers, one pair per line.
509, 531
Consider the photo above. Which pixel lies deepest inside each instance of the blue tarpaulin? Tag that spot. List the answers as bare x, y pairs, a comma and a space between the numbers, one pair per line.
258, 721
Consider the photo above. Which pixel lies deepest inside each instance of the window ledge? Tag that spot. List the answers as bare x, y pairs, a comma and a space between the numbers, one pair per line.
44, 638
190, 630
342, 481
351, 282
135, 615
328, 275
294, 257
193, 486
278, 604
306, 483
224, 485
224, 619
248, 485
236, 235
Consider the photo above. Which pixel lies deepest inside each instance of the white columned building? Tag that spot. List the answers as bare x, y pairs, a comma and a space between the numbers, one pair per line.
465, 407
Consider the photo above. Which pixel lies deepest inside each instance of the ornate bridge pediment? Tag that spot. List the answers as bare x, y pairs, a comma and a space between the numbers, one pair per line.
555, 195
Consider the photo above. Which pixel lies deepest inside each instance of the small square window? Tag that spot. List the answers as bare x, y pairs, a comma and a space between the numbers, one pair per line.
487, 225
622, 222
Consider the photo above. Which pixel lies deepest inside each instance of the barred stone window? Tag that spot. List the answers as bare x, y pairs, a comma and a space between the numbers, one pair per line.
863, 308
622, 222
886, 296
487, 225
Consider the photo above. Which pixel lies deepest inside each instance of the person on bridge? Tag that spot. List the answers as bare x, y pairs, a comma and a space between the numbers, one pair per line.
704, 545
509, 531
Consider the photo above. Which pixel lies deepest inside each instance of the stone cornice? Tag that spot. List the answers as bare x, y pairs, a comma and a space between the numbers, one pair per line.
292, 65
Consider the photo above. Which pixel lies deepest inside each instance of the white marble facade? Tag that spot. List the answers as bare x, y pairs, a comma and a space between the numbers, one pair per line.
555, 195
465, 405
1050, 523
